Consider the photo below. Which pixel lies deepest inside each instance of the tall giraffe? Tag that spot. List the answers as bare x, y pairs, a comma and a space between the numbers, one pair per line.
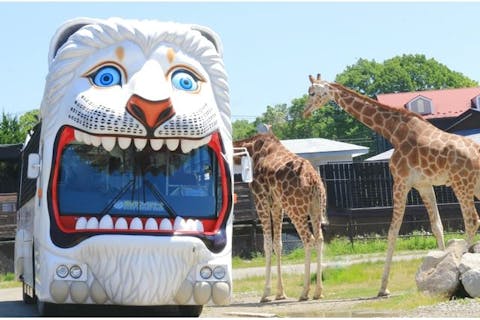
424, 156
283, 181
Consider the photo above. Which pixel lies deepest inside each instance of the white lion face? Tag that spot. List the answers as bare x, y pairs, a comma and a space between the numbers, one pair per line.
128, 106
127, 93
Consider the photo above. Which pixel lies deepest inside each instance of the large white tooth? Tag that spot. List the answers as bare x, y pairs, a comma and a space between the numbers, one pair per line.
151, 224
188, 145
96, 141
179, 224
124, 143
92, 223
172, 144
108, 143
165, 224
121, 224
136, 224
86, 138
156, 144
203, 141
191, 225
199, 226
81, 223
106, 222
140, 143
78, 135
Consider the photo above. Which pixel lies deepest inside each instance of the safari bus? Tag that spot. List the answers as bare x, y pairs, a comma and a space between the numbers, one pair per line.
126, 193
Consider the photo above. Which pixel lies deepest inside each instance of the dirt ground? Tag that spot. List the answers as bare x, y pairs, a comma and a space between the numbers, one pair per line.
248, 306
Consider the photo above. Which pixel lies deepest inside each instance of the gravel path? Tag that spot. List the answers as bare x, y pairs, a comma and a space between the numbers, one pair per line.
461, 308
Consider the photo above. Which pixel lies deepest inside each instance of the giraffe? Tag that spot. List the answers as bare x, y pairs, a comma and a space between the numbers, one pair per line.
286, 182
424, 156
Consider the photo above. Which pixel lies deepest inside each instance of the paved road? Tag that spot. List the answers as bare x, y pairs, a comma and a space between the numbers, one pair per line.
11, 304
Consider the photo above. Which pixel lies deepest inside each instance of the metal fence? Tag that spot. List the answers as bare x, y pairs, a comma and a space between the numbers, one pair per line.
369, 185
359, 205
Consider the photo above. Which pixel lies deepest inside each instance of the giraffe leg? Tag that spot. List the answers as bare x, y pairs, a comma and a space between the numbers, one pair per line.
264, 216
469, 212
430, 201
301, 225
319, 284
400, 192
277, 247
318, 208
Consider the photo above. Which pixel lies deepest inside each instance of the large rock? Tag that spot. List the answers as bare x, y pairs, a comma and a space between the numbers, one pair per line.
439, 274
475, 248
457, 246
470, 273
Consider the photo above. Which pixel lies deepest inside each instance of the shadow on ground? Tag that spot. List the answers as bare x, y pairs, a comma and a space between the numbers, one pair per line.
19, 309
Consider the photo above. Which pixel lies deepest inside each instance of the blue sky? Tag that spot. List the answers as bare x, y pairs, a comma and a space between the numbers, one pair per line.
270, 47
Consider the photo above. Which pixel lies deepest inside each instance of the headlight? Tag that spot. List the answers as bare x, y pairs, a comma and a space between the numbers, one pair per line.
219, 272
62, 271
75, 272
205, 272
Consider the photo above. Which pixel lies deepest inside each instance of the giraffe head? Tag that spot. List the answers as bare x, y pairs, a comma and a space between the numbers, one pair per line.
318, 95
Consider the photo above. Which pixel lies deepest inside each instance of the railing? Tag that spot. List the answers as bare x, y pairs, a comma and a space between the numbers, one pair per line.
368, 185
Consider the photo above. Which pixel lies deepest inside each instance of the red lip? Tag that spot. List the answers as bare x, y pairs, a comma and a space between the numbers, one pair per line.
66, 223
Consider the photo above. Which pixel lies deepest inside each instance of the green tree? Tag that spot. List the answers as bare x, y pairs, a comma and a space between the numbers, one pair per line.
242, 129
412, 72
277, 117
10, 129
27, 121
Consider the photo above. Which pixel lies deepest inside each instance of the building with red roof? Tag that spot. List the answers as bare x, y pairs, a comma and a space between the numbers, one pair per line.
452, 110
443, 108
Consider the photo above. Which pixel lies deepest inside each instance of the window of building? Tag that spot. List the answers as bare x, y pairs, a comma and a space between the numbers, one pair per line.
421, 105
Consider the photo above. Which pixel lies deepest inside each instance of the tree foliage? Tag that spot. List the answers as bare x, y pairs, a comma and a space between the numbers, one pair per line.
403, 73
14, 130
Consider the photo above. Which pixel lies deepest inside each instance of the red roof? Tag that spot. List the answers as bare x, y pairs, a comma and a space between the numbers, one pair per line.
446, 103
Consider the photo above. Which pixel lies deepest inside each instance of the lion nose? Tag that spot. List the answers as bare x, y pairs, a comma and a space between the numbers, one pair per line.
150, 113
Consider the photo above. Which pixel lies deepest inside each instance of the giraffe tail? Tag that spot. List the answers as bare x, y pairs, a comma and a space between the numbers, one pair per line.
318, 212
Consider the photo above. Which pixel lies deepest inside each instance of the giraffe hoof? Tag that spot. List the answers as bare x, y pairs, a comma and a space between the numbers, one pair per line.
281, 297
303, 298
383, 293
264, 299
320, 296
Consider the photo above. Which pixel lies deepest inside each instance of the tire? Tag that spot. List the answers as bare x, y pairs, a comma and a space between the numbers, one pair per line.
190, 311
26, 297
46, 309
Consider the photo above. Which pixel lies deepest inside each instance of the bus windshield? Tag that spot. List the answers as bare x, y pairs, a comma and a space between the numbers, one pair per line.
128, 182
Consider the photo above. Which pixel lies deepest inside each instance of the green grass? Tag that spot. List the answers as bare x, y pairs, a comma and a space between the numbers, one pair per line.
343, 246
356, 281
7, 280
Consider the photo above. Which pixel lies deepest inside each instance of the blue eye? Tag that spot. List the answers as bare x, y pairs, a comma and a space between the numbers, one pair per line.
184, 80
107, 76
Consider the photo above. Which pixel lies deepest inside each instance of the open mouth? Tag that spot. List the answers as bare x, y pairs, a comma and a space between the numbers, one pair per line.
106, 184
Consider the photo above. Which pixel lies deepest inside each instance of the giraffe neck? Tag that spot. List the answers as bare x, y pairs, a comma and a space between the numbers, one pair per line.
381, 118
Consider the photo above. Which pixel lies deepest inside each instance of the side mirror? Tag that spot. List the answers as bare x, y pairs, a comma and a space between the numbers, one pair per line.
246, 164
33, 170
247, 169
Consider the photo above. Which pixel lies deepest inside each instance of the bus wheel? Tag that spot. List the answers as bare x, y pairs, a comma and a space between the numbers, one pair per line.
27, 298
46, 309
190, 311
